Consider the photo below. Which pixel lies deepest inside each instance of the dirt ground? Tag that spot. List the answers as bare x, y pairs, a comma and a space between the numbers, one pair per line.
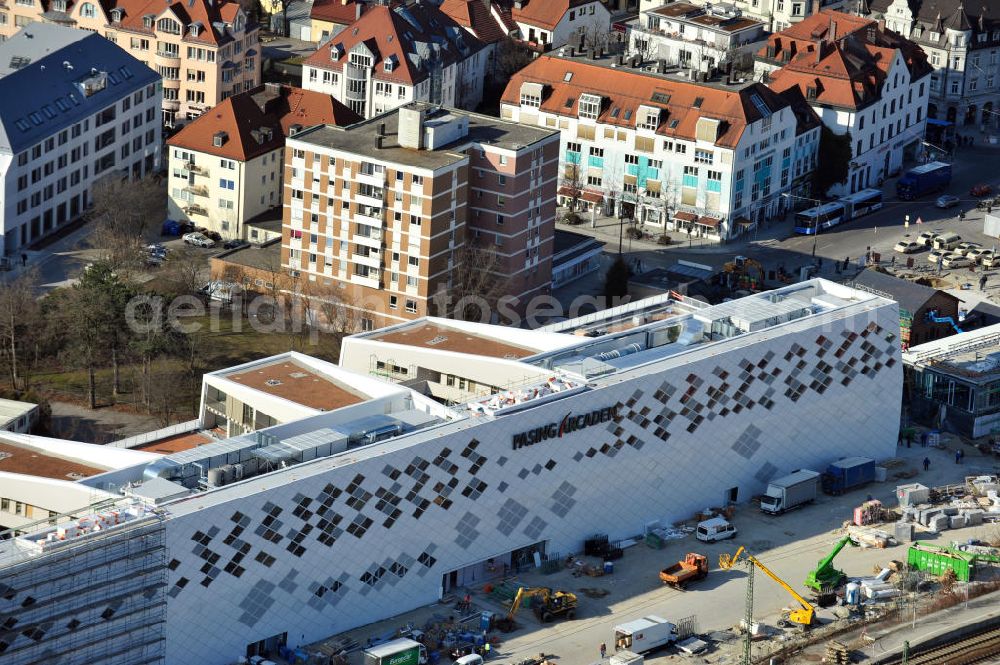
78, 423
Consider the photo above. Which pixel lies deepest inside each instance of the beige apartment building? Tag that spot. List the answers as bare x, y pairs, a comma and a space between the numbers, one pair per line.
226, 167
383, 210
205, 50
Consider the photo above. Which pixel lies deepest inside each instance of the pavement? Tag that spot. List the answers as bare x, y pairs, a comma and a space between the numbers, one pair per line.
789, 544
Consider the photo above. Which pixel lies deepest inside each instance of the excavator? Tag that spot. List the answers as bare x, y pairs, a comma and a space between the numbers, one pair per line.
801, 616
824, 576
744, 273
551, 604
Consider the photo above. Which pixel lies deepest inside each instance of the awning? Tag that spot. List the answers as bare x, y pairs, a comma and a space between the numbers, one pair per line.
743, 221
686, 216
939, 123
592, 197
710, 222
566, 190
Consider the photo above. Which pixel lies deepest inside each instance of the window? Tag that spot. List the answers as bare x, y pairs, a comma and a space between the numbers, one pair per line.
703, 156
230, 184
596, 152
413, 261
531, 97
589, 106
411, 306
393, 300
418, 181
87, 10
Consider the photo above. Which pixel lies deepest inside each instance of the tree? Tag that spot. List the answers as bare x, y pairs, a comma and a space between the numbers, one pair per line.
124, 213
835, 150
476, 283
573, 183
616, 281
19, 321
512, 57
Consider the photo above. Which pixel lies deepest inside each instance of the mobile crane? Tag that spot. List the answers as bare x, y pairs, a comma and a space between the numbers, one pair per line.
552, 604
802, 616
824, 576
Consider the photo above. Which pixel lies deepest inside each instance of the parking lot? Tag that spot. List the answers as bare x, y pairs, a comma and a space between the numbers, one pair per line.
789, 544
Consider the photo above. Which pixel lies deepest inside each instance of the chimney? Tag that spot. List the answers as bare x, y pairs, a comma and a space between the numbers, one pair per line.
881, 25
815, 6
381, 129
572, 52
833, 31
411, 127
621, 59
819, 51
378, 142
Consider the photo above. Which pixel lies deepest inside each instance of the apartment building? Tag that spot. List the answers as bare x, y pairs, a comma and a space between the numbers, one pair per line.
204, 50
385, 209
776, 15
690, 36
394, 55
860, 79
75, 108
227, 166
328, 17
712, 159
547, 24
487, 21
963, 48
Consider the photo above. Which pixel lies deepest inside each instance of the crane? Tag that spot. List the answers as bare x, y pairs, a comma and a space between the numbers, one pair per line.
553, 604
802, 616
824, 576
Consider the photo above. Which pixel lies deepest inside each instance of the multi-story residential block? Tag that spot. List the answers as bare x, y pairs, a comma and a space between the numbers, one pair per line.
385, 208
701, 38
861, 80
394, 55
775, 14
963, 47
227, 166
204, 50
712, 159
547, 24
76, 109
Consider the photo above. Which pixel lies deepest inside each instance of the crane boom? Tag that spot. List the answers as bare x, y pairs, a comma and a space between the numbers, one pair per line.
824, 575
803, 616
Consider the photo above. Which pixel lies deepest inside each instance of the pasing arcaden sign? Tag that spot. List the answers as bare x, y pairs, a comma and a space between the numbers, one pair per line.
570, 423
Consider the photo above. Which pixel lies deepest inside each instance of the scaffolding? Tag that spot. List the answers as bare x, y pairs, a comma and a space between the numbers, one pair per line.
97, 600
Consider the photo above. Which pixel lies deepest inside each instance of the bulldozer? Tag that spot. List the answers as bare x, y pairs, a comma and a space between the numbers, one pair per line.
548, 606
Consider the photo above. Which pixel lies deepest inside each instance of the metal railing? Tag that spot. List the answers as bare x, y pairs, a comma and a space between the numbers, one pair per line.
156, 435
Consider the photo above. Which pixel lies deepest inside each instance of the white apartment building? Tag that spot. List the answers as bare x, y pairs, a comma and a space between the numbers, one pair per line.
695, 37
395, 55
776, 15
549, 24
859, 79
75, 108
711, 159
963, 46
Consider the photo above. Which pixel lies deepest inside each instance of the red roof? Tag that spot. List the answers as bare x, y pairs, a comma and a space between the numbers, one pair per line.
405, 34
341, 12
477, 17
622, 91
208, 14
545, 13
271, 108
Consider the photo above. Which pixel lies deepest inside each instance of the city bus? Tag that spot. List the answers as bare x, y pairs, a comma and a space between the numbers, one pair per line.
820, 218
861, 203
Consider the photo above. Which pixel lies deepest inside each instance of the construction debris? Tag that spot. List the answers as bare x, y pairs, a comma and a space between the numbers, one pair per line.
837, 653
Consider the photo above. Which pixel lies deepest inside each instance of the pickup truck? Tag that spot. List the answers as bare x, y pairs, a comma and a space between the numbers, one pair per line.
693, 567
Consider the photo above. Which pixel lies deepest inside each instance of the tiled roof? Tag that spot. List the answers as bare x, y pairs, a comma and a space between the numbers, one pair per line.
341, 12
623, 91
805, 117
544, 13
935, 15
270, 107
414, 36
910, 295
212, 16
844, 59
477, 17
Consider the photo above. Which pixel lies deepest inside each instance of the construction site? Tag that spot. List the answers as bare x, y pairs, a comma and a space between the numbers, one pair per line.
855, 574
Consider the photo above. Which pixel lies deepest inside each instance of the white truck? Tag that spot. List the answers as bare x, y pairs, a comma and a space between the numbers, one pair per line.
791, 491
645, 634
397, 652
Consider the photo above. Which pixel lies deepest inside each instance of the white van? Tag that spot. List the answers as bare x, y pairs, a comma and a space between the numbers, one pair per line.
947, 241
471, 659
715, 529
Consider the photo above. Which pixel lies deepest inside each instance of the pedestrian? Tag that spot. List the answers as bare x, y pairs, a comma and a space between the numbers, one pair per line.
847, 262
24, 260
958, 457
604, 649
927, 463
982, 282
892, 262
989, 208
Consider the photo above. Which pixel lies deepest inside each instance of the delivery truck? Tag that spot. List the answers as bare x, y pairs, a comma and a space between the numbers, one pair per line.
847, 473
645, 634
789, 492
397, 652
923, 179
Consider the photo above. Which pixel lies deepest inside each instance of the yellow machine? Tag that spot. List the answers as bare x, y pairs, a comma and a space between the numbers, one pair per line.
745, 273
803, 616
551, 605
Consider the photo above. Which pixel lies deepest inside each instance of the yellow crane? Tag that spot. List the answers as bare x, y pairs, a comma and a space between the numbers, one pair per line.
802, 616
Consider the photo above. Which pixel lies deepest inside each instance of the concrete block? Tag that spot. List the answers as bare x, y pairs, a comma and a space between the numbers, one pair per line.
950, 511
956, 522
912, 494
938, 523
929, 514
904, 532
973, 517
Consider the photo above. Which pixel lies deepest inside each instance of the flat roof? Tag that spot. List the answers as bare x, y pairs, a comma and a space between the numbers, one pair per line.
360, 138
34, 462
684, 11
263, 257
297, 383
176, 444
442, 338
11, 409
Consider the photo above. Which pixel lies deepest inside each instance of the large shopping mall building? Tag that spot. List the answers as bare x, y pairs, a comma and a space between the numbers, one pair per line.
311, 498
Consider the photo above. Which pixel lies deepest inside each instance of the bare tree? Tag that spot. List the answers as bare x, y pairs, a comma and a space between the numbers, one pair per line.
184, 272
476, 282
596, 37
572, 182
512, 57
19, 319
124, 214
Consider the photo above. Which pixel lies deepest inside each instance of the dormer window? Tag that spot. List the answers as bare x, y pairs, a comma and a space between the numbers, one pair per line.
147, 21
219, 139
531, 95
194, 29
590, 106
116, 15
336, 51
811, 92
390, 63
648, 118
59, 5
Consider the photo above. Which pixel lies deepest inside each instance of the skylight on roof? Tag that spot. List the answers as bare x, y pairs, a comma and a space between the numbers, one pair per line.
73, 98
615, 111
49, 112
674, 123
760, 105
62, 105
570, 101
568, 76
698, 102
22, 124
126, 72
113, 78
661, 98
35, 118
628, 114
18, 61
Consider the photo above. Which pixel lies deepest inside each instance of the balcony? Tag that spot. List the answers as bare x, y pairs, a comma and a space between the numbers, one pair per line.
368, 200
167, 59
195, 209
196, 190
375, 179
370, 260
191, 167
370, 282
373, 240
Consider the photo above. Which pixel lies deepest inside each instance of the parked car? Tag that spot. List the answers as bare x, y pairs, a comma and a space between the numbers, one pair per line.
927, 237
991, 261
947, 201
908, 247
955, 260
156, 249
937, 255
966, 247
234, 244
978, 254
981, 190
198, 240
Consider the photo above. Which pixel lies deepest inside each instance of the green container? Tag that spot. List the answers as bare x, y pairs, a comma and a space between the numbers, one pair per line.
936, 561
654, 542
